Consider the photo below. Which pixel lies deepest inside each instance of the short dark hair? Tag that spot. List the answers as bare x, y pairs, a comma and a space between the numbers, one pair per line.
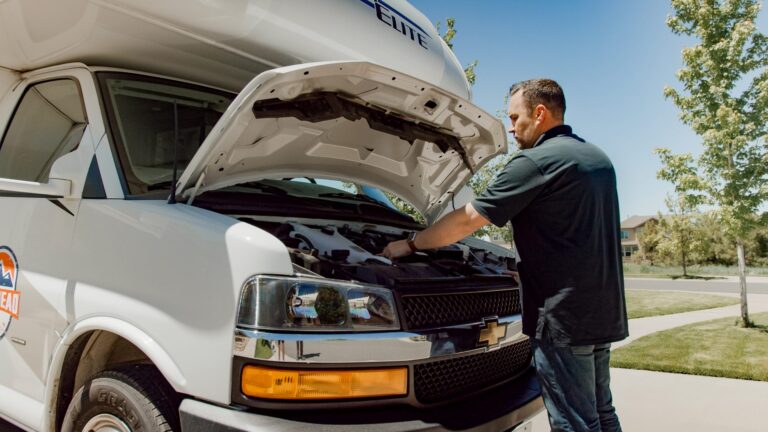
542, 91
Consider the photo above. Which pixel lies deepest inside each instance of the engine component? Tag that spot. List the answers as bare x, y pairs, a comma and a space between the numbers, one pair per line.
332, 245
348, 252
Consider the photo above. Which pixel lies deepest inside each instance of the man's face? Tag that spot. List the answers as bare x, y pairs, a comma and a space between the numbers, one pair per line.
524, 124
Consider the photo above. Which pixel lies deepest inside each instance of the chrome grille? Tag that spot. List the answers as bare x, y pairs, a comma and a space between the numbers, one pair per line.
437, 310
442, 380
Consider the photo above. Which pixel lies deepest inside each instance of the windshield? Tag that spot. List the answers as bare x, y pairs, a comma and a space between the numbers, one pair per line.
307, 197
143, 112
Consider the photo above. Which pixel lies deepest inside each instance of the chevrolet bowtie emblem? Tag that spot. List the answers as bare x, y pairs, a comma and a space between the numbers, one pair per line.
491, 332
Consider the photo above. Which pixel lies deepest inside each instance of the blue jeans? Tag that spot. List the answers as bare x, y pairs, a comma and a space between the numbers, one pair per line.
575, 384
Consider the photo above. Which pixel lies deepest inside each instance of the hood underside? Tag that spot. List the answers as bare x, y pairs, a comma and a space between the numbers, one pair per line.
348, 120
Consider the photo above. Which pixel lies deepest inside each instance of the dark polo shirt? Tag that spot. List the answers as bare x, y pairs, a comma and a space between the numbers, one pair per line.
561, 198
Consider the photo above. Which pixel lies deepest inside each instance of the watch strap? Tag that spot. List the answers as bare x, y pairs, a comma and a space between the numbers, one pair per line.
411, 241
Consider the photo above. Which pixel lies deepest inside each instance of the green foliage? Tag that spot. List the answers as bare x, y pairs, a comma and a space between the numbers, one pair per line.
683, 239
716, 248
450, 33
708, 244
469, 71
405, 207
732, 171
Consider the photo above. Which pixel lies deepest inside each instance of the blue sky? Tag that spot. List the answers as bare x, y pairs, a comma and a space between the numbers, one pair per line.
612, 58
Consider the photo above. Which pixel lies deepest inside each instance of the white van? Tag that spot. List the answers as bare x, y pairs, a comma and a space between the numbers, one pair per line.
191, 208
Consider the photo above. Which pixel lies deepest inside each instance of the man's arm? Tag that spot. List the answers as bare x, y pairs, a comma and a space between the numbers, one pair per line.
449, 229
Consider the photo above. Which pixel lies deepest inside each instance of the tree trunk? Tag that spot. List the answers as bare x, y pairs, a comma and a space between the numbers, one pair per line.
685, 266
745, 322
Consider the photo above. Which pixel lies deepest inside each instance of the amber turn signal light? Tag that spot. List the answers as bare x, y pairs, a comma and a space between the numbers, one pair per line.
270, 383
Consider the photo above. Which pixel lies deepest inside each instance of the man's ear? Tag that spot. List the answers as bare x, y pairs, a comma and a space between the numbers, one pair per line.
540, 113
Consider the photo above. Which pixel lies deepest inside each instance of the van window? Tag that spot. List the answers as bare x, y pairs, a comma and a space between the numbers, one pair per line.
142, 121
48, 123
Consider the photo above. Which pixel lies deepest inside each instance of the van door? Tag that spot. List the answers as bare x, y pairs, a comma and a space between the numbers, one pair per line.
47, 122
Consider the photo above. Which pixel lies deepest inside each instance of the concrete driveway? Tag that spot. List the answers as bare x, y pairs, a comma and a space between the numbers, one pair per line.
664, 402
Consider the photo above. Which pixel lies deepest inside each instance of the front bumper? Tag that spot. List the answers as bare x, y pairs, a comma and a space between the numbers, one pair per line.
500, 409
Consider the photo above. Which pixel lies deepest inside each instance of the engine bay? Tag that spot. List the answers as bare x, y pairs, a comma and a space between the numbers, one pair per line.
349, 251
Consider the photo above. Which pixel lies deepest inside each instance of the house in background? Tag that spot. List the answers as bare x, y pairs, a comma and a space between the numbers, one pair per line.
630, 229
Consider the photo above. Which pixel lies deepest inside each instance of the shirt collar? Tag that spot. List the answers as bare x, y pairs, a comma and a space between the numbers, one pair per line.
555, 131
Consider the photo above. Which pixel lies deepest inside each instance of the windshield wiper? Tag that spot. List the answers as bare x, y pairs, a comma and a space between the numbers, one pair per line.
352, 197
264, 188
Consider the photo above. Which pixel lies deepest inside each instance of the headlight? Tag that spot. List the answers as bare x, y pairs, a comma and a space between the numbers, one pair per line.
309, 304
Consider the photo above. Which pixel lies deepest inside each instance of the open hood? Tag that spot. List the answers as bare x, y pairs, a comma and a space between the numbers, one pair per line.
348, 120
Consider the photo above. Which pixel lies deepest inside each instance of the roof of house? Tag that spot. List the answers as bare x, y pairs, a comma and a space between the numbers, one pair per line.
636, 221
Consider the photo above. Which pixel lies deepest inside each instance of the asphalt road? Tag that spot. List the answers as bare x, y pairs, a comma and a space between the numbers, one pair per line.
712, 286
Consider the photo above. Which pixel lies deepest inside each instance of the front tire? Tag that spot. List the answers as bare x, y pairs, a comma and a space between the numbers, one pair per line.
130, 399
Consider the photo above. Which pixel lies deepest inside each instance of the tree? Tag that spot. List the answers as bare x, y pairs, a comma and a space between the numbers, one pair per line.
731, 55
404, 207
708, 245
649, 238
681, 237
716, 248
679, 226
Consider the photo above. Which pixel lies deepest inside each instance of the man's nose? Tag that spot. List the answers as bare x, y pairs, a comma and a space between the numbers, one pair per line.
511, 129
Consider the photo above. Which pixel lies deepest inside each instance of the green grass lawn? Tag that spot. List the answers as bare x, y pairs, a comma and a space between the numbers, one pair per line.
714, 348
652, 303
645, 270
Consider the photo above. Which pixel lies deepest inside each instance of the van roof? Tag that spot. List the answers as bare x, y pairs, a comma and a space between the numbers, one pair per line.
225, 44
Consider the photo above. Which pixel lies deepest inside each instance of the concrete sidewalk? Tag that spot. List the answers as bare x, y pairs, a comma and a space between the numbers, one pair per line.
666, 402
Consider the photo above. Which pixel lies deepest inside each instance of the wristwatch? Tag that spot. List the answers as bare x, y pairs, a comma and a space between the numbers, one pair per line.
411, 241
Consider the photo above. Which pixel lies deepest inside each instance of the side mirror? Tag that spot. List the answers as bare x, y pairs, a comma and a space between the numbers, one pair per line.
54, 188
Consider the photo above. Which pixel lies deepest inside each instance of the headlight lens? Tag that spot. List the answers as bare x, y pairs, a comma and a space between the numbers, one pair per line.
309, 304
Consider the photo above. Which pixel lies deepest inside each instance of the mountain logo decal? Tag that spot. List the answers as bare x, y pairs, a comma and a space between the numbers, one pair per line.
10, 298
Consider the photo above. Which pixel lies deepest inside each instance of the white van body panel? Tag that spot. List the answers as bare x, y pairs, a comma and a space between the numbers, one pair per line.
168, 271
40, 234
225, 43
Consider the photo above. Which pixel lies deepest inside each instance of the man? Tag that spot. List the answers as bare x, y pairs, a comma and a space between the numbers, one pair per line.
559, 193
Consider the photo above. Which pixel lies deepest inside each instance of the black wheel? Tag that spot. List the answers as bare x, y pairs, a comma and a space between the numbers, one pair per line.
129, 399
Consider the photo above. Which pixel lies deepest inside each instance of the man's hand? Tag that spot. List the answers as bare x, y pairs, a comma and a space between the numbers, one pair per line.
397, 249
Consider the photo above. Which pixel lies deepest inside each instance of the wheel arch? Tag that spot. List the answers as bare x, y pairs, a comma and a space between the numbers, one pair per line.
96, 344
